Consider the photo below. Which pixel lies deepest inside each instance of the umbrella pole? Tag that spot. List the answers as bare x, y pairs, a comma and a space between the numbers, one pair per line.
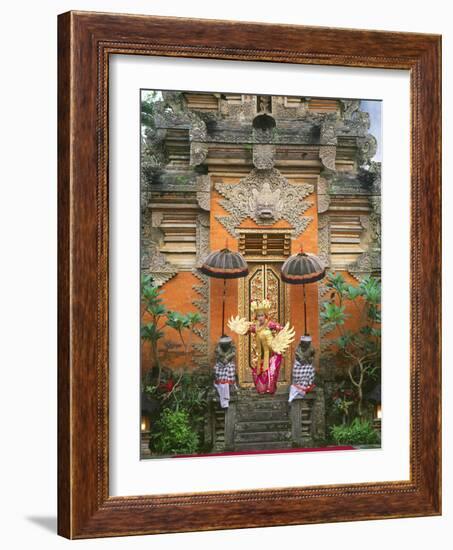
223, 307
305, 311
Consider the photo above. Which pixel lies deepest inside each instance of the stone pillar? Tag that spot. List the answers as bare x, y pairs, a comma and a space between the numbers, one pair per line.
230, 424
318, 416
296, 422
209, 426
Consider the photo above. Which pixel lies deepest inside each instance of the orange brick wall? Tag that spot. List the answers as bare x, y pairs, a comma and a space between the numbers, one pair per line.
177, 295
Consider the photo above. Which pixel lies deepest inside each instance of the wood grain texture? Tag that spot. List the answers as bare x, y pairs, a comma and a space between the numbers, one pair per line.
85, 42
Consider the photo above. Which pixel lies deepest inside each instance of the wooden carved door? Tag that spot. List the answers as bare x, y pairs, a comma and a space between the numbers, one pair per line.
263, 281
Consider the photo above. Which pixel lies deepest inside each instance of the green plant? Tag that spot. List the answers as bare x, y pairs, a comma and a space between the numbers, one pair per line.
180, 323
189, 392
153, 305
359, 432
343, 399
360, 348
173, 434
147, 109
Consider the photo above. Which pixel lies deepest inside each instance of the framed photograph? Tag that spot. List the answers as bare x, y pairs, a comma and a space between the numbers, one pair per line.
249, 275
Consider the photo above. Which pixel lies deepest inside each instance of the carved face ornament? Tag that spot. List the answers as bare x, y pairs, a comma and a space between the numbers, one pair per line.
267, 204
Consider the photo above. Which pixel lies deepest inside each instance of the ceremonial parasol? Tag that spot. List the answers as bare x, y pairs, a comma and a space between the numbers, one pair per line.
224, 264
301, 269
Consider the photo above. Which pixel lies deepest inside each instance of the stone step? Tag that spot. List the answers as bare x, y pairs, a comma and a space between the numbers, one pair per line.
263, 446
261, 437
262, 425
262, 396
265, 405
277, 397
246, 409
262, 415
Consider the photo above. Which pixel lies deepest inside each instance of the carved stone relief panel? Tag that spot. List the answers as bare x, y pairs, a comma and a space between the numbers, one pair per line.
201, 355
289, 106
240, 106
265, 196
324, 239
327, 155
203, 192
323, 195
263, 156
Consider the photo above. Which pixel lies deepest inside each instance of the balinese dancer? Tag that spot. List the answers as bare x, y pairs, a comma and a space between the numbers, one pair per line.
224, 369
303, 375
271, 339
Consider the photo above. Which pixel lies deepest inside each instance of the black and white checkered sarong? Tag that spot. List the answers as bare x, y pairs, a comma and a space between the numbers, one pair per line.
224, 373
303, 375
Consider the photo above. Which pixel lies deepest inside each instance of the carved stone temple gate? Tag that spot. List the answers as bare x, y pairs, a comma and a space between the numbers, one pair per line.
267, 174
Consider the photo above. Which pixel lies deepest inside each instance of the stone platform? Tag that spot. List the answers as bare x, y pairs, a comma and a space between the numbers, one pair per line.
262, 421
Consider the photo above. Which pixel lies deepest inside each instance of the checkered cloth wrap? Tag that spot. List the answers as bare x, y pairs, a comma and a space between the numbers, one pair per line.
303, 375
224, 373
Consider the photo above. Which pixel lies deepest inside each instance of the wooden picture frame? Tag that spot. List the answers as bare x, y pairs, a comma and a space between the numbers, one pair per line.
85, 42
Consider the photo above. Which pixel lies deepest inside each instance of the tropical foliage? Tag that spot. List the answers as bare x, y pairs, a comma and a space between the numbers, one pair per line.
360, 347
359, 432
160, 317
343, 400
173, 434
179, 396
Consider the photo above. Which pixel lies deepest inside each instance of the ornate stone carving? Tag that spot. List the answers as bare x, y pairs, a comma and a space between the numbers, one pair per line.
156, 219
367, 147
370, 261
327, 155
324, 239
158, 267
202, 230
263, 156
264, 136
266, 196
198, 130
264, 103
152, 259
375, 217
203, 192
154, 155
328, 134
287, 107
357, 124
198, 152
201, 357
323, 196
350, 107
243, 110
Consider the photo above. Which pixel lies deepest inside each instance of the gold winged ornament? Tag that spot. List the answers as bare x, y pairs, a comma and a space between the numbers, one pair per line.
278, 343
239, 325
282, 340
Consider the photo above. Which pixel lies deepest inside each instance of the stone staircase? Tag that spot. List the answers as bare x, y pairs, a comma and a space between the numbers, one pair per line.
261, 421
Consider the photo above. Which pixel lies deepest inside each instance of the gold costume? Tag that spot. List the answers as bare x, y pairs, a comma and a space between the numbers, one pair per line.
266, 343
272, 340
263, 341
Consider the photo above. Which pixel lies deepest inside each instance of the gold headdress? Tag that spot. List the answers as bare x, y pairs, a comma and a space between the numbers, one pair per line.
260, 307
